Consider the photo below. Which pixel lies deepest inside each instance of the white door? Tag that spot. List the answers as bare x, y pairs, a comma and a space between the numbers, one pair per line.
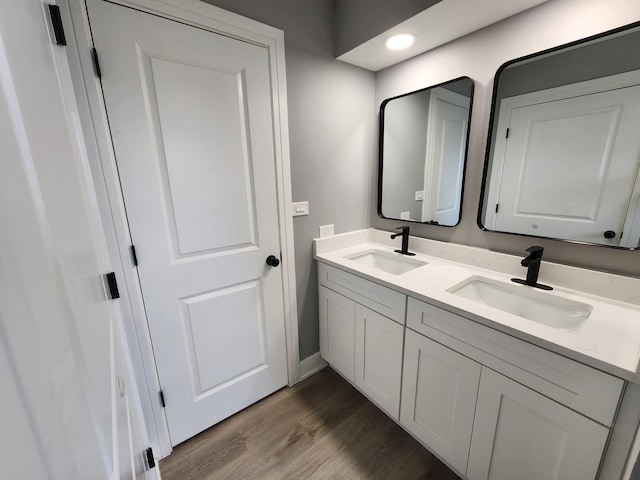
58, 357
520, 434
190, 113
446, 149
570, 166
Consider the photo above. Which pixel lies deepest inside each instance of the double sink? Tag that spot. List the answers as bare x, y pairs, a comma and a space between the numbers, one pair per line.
525, 302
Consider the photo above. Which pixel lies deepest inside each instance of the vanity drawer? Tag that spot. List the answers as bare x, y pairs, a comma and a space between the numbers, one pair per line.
584, 389
380, 299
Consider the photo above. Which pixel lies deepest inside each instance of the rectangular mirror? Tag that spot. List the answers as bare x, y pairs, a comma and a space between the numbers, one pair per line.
564, 143
423, 151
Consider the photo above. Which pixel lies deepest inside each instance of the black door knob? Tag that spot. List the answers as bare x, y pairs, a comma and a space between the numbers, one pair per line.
609, 234
273, 261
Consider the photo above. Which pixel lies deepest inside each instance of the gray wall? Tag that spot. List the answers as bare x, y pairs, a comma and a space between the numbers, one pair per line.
331, 126
479, 55
405, 151
358, 21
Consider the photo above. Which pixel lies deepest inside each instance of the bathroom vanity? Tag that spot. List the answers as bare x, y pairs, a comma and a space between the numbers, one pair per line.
497, 379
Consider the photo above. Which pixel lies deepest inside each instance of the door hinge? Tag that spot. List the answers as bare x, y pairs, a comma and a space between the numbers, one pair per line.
134, 256
56, 23
507, 136
112, 283
497, 207
149, 458
96, 63
161, 397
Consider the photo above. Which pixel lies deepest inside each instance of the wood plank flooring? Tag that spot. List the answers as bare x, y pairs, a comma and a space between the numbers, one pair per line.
321, 429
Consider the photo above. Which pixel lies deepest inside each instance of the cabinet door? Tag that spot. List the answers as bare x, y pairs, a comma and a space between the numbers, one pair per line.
337, 331
521, 434
439, 390
378, 347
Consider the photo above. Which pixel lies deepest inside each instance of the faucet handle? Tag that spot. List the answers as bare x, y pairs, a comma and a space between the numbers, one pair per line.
535, 250
404, 228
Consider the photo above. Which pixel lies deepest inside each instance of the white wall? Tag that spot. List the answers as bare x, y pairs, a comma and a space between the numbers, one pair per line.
478, 56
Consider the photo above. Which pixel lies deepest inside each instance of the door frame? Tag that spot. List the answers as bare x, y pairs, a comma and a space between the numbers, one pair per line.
94, 122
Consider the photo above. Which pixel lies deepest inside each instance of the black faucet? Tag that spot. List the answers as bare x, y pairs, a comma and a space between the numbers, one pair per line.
532, 262
405, 240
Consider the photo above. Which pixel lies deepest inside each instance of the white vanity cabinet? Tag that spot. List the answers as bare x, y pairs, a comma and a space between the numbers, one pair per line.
357, 336
492, 406
515, 410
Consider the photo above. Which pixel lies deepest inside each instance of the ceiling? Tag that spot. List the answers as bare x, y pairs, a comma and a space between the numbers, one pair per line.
441, 23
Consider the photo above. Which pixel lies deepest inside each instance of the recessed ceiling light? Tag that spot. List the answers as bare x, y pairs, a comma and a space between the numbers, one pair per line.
400, 41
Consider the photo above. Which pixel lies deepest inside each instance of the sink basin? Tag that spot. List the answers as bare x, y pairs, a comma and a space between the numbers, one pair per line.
393, 263
525, 302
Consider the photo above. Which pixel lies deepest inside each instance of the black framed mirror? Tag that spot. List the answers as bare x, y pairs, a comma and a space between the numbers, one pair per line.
563, 152
423, 151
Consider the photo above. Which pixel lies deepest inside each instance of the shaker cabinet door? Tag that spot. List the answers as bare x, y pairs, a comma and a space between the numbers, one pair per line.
439, 388
337, 331
521, 434
378, 349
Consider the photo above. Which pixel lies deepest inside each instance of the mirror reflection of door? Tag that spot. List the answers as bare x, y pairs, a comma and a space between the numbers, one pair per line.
566, 163
568, 169
444, 162
423, 152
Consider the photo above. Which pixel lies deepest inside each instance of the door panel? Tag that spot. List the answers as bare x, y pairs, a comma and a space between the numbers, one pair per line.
190, 113
224, 324
209, 181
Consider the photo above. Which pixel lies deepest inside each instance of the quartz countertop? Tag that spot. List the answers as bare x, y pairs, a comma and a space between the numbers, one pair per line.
608, 340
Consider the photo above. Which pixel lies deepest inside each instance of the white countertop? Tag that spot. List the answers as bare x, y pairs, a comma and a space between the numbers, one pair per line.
609, 339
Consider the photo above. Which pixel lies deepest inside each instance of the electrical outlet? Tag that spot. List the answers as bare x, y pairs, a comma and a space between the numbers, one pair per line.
419, 195
405, 215
326, 230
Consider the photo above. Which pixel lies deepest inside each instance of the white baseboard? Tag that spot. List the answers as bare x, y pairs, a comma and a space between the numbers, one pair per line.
311, 365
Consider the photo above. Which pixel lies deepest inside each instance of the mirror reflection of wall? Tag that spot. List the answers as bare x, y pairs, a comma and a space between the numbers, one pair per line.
564, 153
423, 144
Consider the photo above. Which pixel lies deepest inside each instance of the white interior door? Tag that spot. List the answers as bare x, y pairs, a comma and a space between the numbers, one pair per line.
58, 358
191, 120
446, 148
570, 166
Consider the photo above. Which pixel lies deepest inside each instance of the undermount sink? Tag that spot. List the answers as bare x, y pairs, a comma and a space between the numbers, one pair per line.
525, 302
393, 263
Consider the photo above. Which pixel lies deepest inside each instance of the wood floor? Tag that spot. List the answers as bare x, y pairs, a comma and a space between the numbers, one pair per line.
321, 429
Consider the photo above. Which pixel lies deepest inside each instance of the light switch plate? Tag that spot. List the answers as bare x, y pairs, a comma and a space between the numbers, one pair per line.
326, 230
300, 208
419, 195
